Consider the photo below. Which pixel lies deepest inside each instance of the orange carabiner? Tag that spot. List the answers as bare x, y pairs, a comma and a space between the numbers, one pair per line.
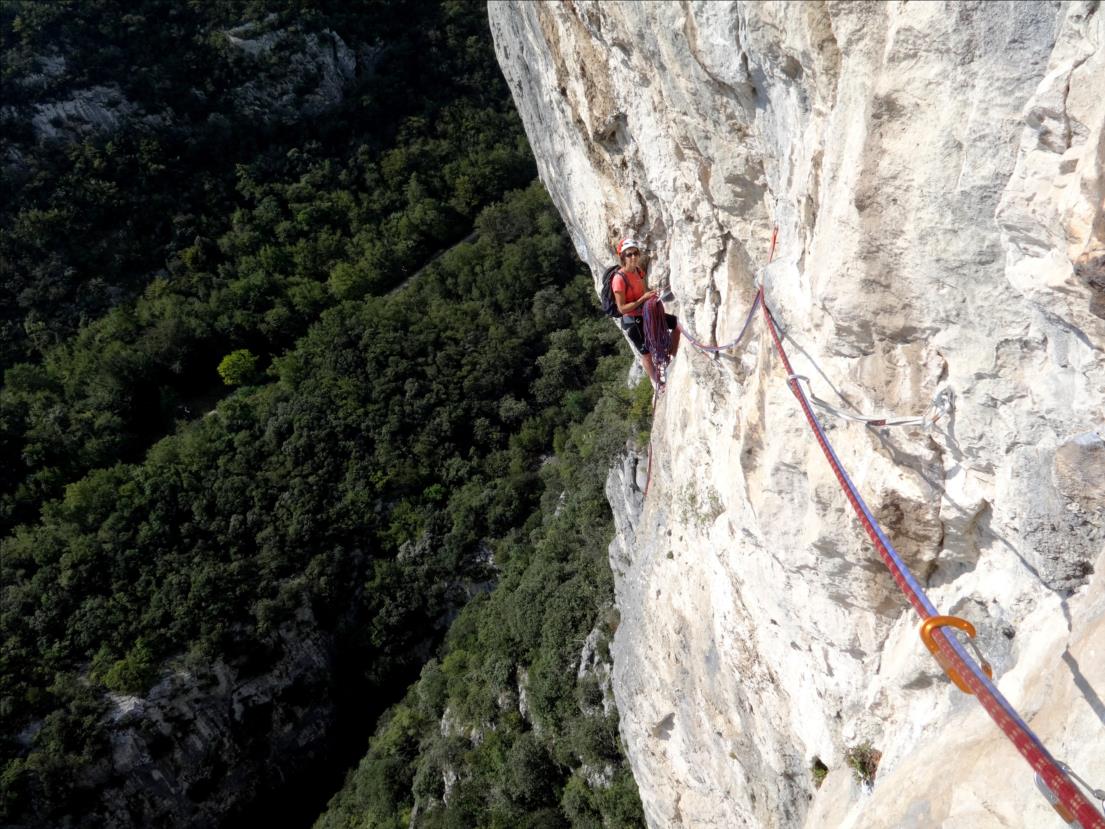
927, 628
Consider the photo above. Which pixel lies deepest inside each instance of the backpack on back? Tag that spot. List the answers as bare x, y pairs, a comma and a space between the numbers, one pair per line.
609, 303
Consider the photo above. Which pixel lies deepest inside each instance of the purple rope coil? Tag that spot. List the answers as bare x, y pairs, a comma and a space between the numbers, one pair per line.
657, 336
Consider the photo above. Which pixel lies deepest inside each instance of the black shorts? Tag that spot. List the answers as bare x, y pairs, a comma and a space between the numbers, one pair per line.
635, 328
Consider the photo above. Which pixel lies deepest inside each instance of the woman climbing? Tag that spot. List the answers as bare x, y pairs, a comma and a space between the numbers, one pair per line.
631, 293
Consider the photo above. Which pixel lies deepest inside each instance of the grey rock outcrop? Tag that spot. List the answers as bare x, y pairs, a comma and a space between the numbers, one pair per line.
287, 75
296, 75
203, 742
98, 109
49, 68
937, 175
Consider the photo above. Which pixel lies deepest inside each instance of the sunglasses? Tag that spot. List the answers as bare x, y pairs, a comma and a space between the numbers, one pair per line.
629, 253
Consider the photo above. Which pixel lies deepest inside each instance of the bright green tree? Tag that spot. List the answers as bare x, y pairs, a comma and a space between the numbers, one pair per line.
238, 367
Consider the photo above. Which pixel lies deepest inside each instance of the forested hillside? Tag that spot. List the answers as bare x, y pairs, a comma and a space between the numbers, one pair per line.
220, 216
514, 725
249, 479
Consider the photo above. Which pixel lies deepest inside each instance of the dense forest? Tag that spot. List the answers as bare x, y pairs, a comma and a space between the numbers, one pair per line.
306, 413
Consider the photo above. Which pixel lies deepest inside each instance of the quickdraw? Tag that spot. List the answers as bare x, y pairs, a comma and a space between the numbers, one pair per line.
941, 405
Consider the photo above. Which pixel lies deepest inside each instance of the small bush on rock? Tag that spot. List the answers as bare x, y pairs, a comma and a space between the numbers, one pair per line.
863, 760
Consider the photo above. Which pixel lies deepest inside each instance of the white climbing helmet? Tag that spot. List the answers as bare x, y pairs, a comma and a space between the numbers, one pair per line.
627, 243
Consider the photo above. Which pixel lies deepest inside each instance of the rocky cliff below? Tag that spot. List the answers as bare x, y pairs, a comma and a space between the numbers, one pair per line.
284, 76
937, 173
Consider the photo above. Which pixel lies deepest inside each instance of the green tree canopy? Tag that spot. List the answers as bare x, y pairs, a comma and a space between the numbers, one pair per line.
238, 367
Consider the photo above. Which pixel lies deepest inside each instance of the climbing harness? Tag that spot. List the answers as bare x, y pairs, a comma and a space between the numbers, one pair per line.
971, 675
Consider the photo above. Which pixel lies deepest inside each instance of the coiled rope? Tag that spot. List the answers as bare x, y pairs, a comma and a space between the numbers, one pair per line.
657, 336
654, 326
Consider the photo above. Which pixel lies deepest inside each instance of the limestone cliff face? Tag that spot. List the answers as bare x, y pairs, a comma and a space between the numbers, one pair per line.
937, 173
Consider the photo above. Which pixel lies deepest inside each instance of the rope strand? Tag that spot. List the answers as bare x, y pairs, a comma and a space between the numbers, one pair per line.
716, 348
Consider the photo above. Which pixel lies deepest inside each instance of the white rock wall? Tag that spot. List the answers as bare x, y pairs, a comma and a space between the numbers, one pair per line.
936, 174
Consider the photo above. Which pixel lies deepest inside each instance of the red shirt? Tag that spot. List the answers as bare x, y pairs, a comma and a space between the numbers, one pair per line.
632, 285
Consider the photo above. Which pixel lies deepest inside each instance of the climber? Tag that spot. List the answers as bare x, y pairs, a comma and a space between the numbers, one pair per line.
631, 293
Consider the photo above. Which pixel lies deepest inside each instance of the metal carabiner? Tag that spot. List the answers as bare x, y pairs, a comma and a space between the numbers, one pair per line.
933, 622
1053, 799
797, 377
942, 404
